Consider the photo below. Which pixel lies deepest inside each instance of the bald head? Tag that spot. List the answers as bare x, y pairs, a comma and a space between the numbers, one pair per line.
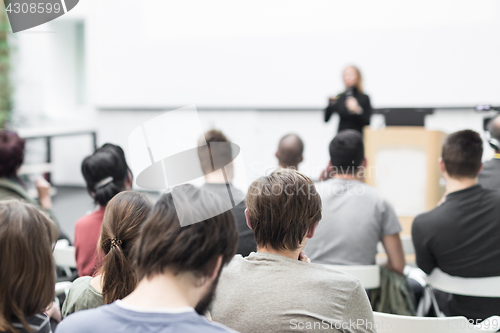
494, 128
290, 151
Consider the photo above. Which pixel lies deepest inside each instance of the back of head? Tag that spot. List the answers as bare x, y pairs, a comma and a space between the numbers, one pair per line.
283, 207
462, 153
27, 270
11, 153
290, 150
106, 173
494, 130
347, 152
164, 245
122, 221
224, 152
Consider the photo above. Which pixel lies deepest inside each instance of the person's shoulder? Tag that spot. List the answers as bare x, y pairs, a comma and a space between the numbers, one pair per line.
235, 264
82, 291
491, 192
77, 289
85, 321
209, 326
89, 218
81, 283
331, 276
431, 218
363, 189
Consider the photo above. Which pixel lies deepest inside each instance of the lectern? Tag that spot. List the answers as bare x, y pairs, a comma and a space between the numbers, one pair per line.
403, 166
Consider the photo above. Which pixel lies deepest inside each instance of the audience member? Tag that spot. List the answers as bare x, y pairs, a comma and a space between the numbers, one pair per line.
272, 290
216, 182
106, 174
177, 269
489, 177
11, 186
27, 269
355, 216
290, 150
461, 236
123, 218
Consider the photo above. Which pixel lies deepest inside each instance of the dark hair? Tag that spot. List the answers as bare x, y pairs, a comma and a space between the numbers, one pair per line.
124, 216
347, 151
105, 173
462, 153
283, 207
494, 127
164, 244
224, 153
11, 153
290, 149
27, 269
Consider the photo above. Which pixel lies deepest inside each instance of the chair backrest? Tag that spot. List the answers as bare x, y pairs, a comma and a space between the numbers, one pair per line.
387, 323
65, 256
479, 287
368, 275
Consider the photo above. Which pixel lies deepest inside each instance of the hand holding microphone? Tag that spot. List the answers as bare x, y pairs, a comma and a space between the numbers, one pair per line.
351, 103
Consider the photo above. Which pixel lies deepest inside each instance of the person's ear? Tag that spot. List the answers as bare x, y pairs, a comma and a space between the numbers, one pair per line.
364, 163
129, 182
301, 159
312, 230
480, 169
276, 154
216, 269
247, 216
442, 166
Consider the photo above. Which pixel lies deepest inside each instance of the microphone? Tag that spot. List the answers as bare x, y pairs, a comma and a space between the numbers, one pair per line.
349, 92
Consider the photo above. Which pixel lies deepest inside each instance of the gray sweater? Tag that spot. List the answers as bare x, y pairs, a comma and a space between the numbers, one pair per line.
267, 292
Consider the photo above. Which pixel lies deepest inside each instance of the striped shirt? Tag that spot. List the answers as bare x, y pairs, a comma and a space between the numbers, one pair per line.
39, 323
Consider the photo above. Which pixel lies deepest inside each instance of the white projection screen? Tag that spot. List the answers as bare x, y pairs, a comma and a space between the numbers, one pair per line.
290, 53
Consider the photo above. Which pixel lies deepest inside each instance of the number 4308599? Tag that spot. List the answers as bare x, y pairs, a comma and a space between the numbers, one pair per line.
33, 8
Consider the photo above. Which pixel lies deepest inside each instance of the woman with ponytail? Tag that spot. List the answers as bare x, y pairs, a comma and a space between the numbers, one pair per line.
106, 173
123, 218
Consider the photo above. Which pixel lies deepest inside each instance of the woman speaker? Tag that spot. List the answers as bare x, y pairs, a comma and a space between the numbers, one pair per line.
353, 106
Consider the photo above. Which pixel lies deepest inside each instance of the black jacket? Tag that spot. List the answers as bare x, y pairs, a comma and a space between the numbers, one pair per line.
350, 120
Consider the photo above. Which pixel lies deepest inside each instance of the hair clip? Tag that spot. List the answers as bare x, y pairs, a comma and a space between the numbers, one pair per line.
116, 242
103, 182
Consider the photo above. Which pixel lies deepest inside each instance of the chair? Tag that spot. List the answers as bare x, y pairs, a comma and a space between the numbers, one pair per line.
368, 275
62, 287
478, 287
388, 323
64, 256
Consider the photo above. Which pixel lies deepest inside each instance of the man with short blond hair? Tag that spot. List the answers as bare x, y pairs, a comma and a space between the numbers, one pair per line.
277, 289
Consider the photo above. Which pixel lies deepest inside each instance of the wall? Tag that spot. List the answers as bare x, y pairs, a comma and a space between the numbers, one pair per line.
62, 75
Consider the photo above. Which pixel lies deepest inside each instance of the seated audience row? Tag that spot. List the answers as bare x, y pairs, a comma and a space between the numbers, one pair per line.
156, 276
